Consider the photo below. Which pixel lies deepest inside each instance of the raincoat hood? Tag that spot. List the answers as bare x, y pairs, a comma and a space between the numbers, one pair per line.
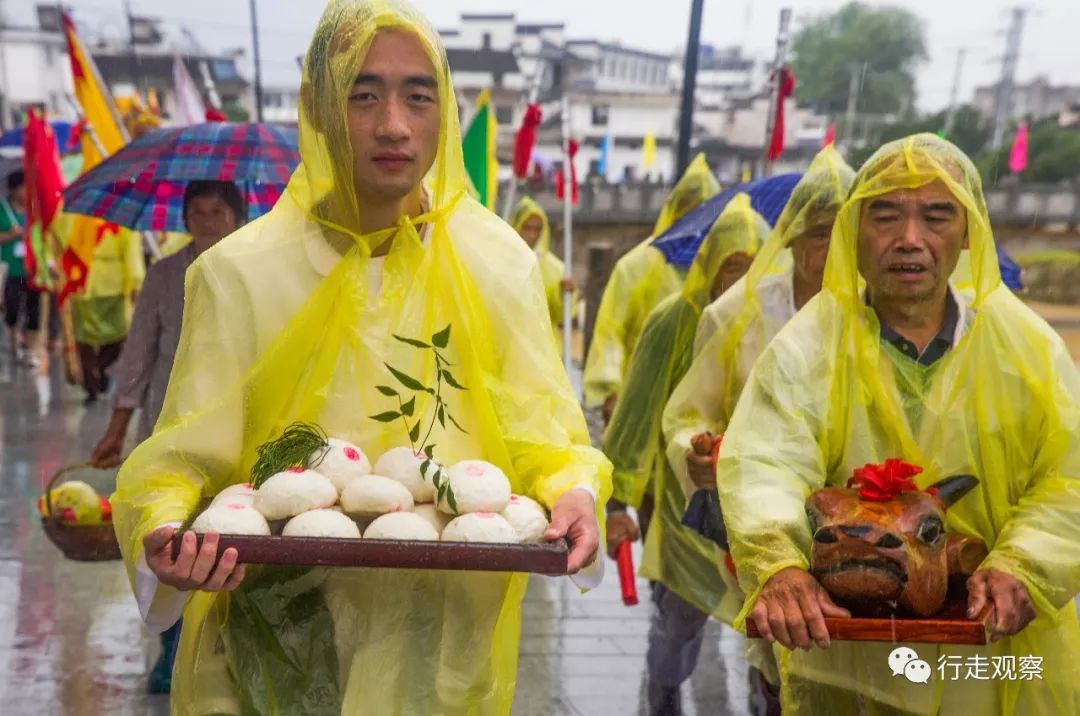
324, 183
738, 229
696, 185
525, 209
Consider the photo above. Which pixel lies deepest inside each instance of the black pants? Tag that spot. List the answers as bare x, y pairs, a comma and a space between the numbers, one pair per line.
95, 360
21, 301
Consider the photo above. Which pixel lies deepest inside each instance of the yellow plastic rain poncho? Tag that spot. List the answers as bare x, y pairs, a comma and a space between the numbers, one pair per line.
552, 270
1003, 404
640, 280
674, 555
736, 327
103, 309
283, 322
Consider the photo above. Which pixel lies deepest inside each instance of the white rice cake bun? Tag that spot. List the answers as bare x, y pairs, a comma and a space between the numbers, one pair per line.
402, 526
403, 465
478, 486
289, 493
244, 489
342, 461
431, 514
527, 517
374, 495
480, 527
231, 518
321, 523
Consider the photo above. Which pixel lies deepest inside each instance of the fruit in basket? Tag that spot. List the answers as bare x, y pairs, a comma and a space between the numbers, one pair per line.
430, 513
402, 526
404, 465
478, 486
321, 523
341, 461
76, 503
375, 495
527, 517
287, 494
231, 518
480, 527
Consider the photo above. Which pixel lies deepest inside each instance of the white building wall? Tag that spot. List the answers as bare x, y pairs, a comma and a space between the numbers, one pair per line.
34, 69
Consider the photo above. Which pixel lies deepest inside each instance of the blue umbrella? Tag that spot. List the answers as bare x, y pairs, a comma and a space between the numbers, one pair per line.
768, 196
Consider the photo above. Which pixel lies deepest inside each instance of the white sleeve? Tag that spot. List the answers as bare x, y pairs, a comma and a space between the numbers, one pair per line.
160, 606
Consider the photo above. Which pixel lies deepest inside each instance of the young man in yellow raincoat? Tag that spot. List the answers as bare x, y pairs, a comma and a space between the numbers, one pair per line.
891, 360
293, 318
677, 560
640, 280
531, 223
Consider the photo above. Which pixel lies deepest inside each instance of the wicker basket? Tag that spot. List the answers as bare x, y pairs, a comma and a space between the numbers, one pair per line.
82, 543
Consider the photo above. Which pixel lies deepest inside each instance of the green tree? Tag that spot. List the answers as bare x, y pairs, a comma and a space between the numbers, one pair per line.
236, 112
1053, 156
970, 132
887, 41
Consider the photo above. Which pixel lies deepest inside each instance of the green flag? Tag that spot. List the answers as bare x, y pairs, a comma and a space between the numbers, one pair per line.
478, 148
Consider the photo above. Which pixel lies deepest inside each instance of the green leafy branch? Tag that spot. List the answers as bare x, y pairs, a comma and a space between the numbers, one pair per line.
300, 445
441, 414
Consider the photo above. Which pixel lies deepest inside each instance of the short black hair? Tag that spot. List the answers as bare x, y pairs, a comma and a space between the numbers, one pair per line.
227, 191
15, 180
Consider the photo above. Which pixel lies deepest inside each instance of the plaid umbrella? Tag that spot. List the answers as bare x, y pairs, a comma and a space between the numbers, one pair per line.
142, 186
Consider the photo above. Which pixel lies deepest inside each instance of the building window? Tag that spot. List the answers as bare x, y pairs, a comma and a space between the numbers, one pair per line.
600, 114
504, 114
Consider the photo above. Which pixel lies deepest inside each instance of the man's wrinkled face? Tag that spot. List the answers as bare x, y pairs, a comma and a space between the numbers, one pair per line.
531, 230
733, 268
209, 219
394, 117
810, 249
910, 241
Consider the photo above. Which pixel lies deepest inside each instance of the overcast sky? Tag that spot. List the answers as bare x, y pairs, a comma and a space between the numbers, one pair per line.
1050, 44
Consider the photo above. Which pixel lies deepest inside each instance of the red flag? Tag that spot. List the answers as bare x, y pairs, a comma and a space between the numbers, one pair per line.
560, 176
44, 183
525, 139
213, 115
785, 87
830, 135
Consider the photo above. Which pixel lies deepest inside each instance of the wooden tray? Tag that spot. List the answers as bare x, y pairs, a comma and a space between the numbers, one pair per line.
949, 626
546, 558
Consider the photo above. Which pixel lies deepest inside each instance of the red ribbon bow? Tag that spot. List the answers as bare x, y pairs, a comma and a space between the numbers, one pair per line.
881, 483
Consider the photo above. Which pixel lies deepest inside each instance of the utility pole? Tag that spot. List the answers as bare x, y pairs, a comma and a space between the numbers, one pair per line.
258, 64
774, 83
4, 84
1003, 99
852, 102
690, 67
954, 95
133, 59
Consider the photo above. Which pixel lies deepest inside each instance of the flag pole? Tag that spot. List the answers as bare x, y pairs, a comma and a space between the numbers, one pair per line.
534, 92
774, 84
568, 233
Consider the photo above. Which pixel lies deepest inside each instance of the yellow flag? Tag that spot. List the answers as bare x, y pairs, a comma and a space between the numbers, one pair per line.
97, 104
648, 151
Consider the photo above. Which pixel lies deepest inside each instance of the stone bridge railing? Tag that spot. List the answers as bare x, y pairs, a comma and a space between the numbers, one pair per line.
1020, 205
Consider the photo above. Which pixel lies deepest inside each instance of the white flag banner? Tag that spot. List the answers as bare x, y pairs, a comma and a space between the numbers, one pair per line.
189, 105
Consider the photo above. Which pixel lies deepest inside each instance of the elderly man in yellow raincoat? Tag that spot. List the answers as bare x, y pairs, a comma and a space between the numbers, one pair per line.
679, 561
640, 280
293, 318
892, 360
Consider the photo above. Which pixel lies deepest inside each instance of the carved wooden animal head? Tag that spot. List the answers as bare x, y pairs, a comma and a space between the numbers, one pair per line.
884, 544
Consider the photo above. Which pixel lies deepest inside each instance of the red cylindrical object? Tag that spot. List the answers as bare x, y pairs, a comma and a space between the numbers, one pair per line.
625, 559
